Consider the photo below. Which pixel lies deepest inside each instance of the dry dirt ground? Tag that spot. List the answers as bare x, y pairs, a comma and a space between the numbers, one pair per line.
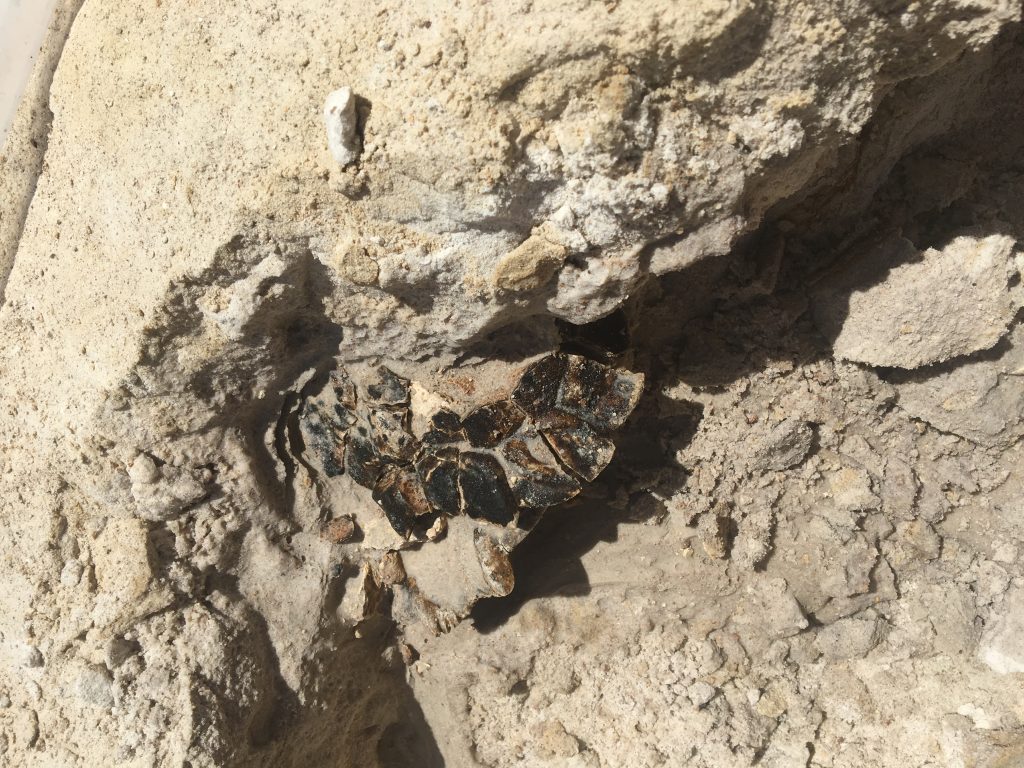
803, 222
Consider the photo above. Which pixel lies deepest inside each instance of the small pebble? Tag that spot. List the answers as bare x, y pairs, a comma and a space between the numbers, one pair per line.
93, 686
71, 573
700, 693
32, 658
340, 121
117, 651
390, 570
438, 529
339, 530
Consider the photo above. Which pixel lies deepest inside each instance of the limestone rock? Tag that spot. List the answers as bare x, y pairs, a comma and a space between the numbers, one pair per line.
780, 446
849, 638
340, 119
1002, 644
182, 273
924, 307
529, 265
981, 400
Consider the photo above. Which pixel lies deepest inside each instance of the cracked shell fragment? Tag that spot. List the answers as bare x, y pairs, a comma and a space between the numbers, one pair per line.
326, 437
388, 388
400, 494
538, 387
581, 449
530, 451
601, 396
362, 462
534, 475
489, 424
343, 417
389, 436
484, 490
439, 471
445, 427
495, 564
343, 388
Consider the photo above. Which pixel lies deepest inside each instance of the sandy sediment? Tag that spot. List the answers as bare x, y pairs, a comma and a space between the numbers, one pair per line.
275, 466
32, 38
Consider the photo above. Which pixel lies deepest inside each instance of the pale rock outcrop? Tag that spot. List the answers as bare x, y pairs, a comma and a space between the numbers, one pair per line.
924, 307
341, 121
199, 255
1002, 645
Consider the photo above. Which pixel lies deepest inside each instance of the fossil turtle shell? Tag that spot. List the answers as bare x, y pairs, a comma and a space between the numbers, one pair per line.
529, 451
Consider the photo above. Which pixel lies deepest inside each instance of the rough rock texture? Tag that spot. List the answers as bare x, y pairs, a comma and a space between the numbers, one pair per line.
929, 307
806, 550
23, 142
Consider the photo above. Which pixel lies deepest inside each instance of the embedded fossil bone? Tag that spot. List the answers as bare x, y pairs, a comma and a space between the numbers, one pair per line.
530, 451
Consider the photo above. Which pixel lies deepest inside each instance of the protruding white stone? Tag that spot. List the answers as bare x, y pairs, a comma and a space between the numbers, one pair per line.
340, 121
71, 573
1002, 645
